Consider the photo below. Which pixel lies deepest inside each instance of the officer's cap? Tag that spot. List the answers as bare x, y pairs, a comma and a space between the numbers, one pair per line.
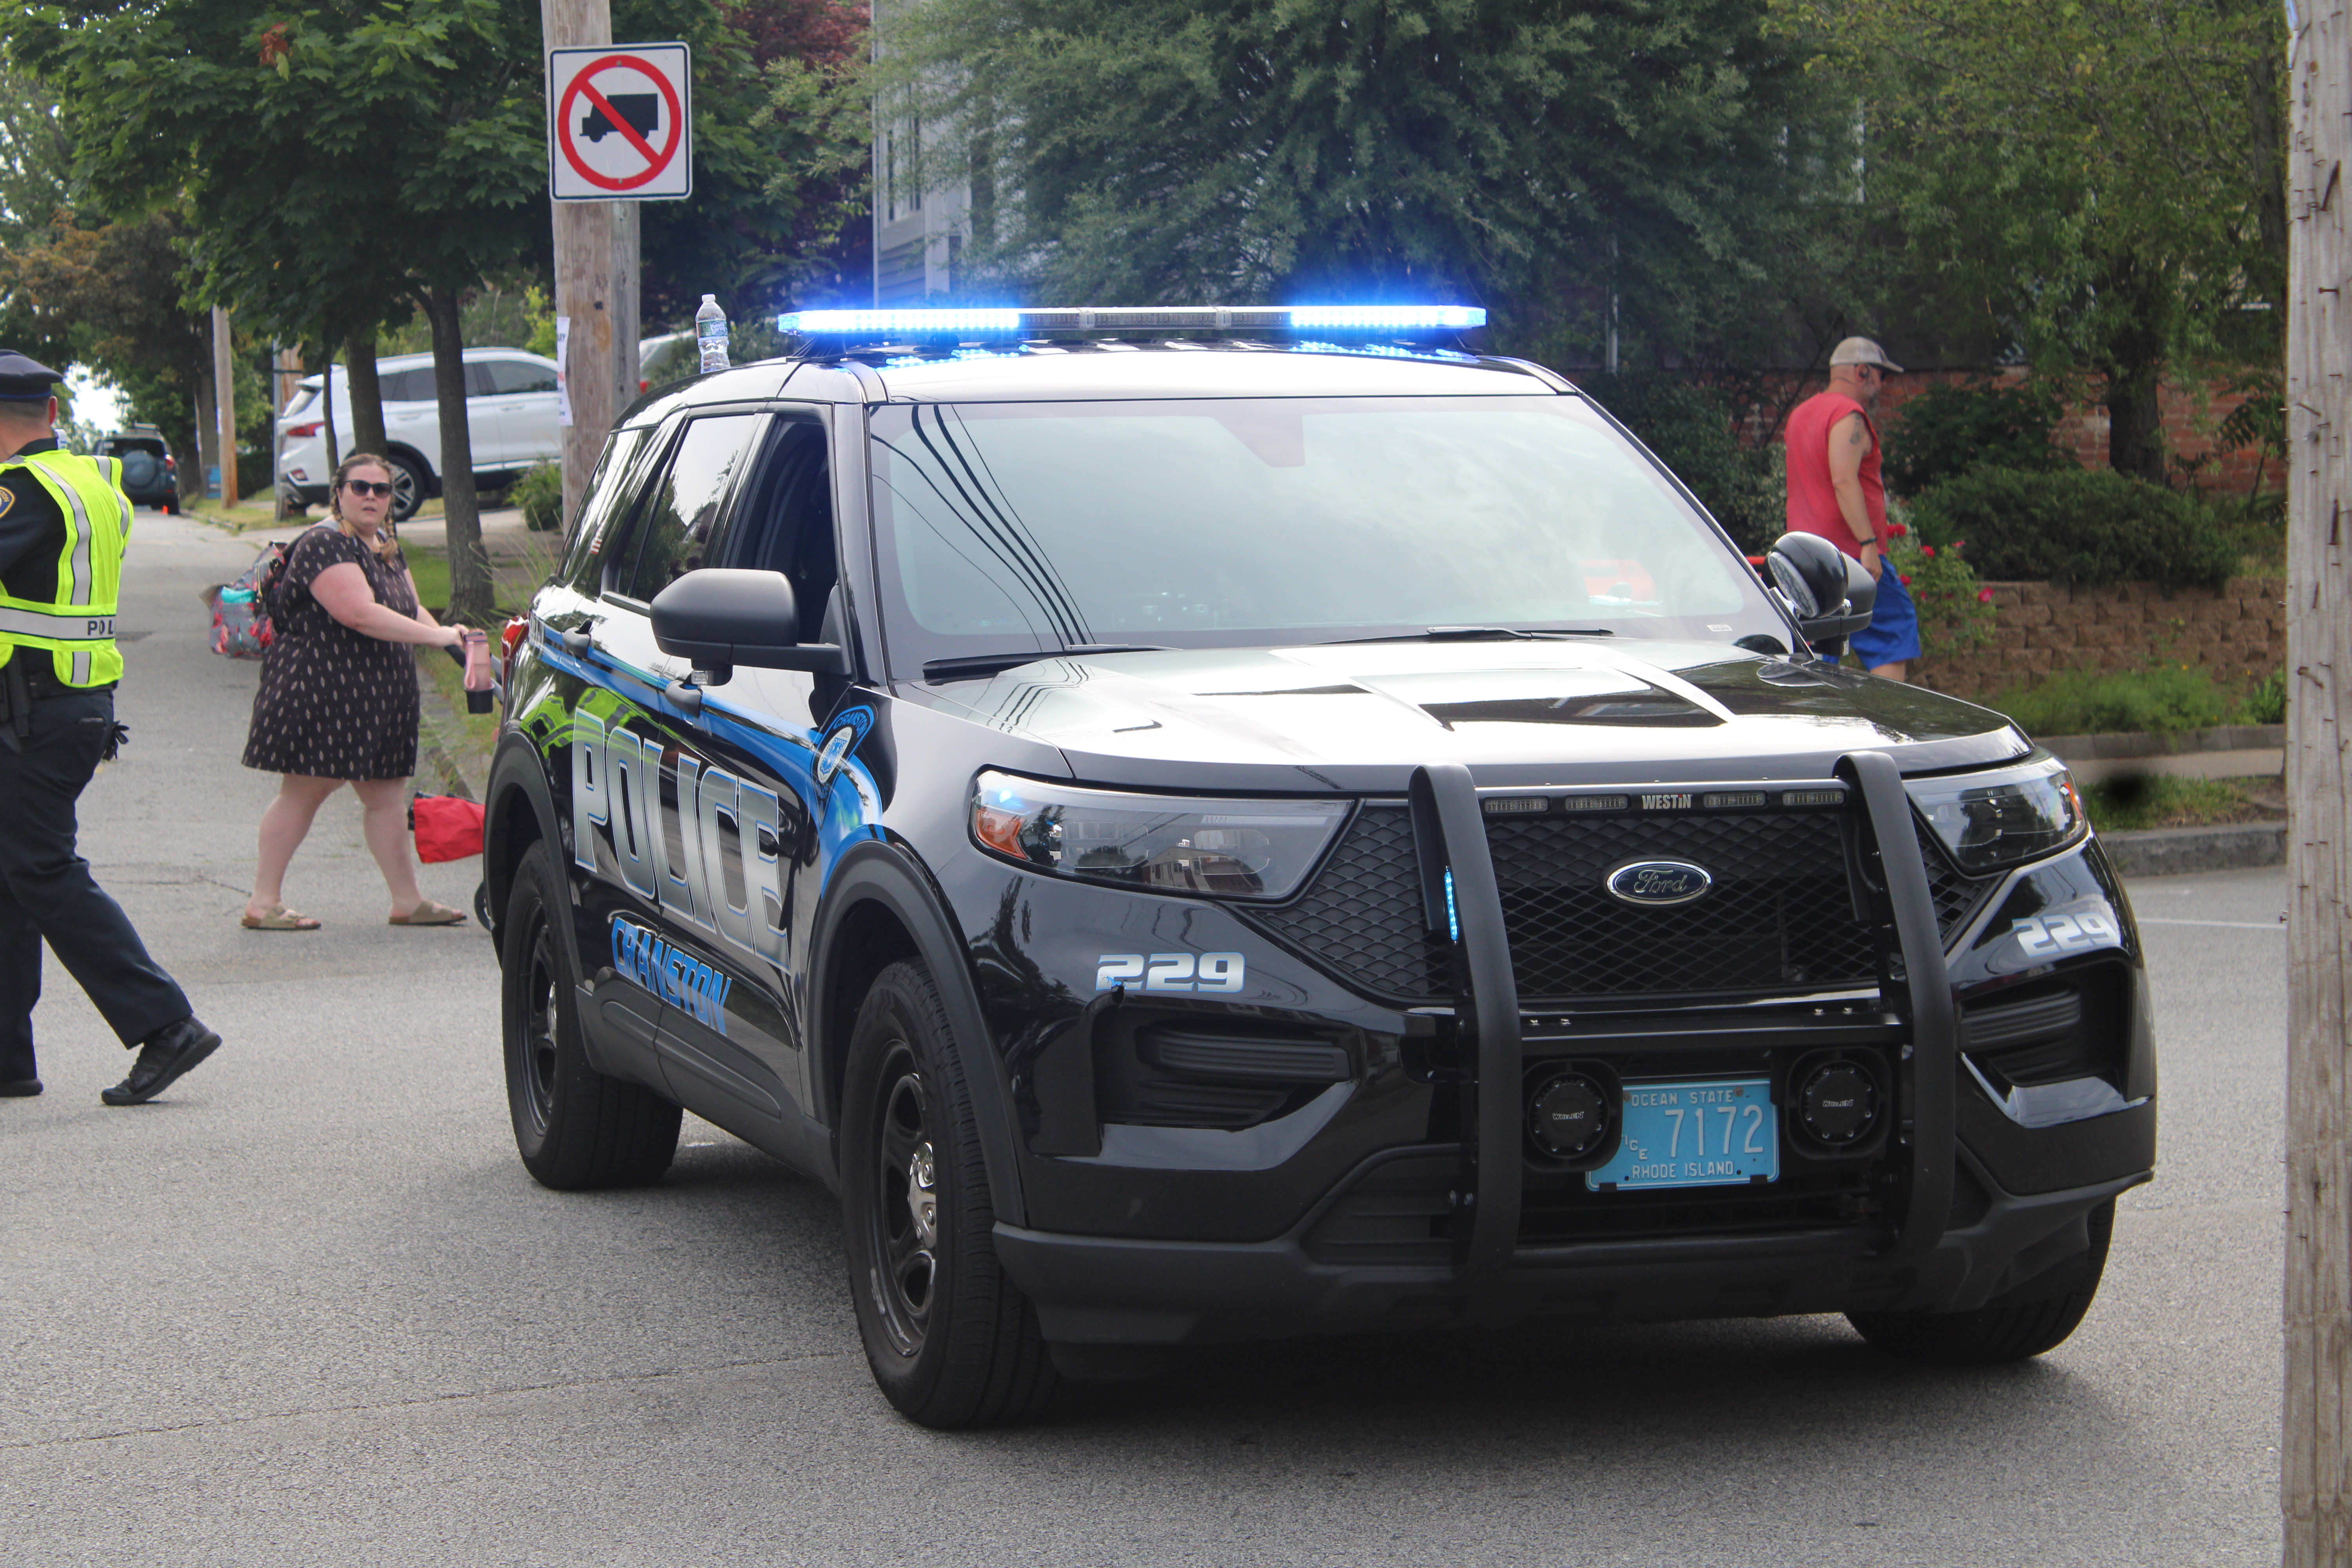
24, 380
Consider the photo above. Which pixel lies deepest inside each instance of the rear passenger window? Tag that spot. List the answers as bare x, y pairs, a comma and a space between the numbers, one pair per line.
406, 385
681, 510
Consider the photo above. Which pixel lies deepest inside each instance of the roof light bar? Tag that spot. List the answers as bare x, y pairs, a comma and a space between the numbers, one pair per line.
971, 324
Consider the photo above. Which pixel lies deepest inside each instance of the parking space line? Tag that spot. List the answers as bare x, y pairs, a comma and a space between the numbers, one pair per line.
2223, 925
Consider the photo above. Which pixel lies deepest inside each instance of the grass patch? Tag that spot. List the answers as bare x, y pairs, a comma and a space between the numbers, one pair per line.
2130, 804
2165, 700
465, 738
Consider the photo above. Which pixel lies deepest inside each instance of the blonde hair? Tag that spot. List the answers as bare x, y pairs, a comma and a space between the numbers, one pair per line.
387, 540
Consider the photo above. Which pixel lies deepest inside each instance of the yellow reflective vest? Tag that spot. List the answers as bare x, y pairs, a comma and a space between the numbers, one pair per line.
76, 624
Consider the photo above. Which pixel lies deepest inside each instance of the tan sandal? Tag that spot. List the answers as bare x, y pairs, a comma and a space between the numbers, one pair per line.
279, 918
429, 913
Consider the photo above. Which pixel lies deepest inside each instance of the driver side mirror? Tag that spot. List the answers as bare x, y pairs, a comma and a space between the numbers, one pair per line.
1832, 595
720, 616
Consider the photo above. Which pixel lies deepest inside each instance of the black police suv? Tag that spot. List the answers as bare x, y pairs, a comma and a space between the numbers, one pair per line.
1211, 825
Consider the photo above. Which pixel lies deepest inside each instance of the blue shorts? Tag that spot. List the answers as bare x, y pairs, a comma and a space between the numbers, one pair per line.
1892, 634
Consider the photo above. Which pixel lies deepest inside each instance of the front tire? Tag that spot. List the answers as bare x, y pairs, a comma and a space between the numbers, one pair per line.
952, 1343
2035, 1317
575, 1127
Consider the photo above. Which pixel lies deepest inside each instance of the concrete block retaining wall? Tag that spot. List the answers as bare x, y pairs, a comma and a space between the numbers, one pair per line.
2237, 632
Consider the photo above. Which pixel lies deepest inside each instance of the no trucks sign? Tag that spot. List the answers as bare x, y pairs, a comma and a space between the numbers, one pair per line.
619, 123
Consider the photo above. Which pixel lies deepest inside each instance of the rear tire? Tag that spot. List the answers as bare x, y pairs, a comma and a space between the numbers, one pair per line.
575, 1127
952, 1343
408, 486
2035, 1317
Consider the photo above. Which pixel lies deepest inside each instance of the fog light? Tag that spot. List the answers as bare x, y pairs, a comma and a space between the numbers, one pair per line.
1568, 1116
1837, 1103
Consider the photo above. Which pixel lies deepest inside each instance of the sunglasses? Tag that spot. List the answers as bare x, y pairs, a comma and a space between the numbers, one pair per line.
367, 487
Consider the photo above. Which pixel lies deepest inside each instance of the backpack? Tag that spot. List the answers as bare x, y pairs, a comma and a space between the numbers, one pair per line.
243, 610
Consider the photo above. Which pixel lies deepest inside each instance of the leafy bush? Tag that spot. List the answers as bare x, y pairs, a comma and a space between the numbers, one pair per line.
539, 494
2083, 526
1950, 429
1689, 425
2082, 702
2134, 801
1956, 611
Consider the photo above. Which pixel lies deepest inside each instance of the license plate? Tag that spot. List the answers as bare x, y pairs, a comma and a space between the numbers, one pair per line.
1706, 1132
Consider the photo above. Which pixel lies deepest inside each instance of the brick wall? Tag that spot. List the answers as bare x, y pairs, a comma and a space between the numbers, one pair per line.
2237, 632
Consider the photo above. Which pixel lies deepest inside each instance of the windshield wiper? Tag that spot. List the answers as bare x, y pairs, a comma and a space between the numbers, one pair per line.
975, 664
1487, 634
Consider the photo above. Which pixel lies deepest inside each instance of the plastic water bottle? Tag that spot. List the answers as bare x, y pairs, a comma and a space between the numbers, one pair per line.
711, 334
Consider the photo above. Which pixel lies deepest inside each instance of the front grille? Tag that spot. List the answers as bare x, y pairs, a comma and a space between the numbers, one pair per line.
1799, 1201
1362, 915
1779, 917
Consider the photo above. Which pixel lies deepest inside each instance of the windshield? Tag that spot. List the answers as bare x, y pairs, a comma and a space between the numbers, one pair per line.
1218, 523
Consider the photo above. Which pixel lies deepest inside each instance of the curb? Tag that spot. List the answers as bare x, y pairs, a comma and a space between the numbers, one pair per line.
2170, 851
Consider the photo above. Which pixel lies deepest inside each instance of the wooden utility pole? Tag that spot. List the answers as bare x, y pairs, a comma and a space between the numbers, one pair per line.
225, 404
596, 285
2316, 1442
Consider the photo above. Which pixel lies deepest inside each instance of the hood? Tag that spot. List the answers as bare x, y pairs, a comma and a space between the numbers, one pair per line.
1361, 716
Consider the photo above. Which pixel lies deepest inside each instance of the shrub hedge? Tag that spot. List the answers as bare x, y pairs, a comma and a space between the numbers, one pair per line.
2088, 527
1947, 430
540, 496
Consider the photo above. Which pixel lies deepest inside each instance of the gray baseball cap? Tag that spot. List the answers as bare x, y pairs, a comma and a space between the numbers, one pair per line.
1862, 351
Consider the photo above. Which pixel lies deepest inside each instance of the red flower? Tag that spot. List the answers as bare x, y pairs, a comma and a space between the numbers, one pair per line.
1897, 530
1906, 578
1928, 550
1959, 544
1984, 595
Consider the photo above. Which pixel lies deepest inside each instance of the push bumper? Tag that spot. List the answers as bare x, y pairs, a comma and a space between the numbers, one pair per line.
1927, 1253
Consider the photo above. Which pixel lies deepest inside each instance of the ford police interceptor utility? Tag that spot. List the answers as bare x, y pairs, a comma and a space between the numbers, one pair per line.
1218, 824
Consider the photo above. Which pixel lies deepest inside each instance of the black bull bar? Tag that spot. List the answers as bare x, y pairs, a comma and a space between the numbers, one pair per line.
1447, 815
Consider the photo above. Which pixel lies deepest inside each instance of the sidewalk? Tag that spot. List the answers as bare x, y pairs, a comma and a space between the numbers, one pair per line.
169, 828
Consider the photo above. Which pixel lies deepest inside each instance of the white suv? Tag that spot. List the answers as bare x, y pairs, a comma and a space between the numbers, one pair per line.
510, 404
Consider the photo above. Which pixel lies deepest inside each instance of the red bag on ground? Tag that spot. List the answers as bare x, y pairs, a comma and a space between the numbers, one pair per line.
446, 829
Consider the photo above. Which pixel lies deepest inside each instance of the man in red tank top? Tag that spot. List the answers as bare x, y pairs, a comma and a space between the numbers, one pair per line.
1834, 491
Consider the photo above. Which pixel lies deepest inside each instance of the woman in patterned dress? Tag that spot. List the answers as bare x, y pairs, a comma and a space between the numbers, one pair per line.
338, 697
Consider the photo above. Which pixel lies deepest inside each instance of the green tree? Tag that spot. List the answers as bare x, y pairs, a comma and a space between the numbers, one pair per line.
2099, 181
35, 159
1538, 158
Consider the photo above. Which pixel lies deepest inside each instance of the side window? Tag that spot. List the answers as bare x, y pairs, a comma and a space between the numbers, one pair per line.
681, 510
509, 376
605, 496
407, 385
785, 523
477, 380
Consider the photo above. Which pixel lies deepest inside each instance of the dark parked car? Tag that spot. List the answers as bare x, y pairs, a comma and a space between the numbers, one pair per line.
150, 476
1216, 824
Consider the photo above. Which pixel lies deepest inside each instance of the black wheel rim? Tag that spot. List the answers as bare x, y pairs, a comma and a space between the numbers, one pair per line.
904, 1227
537, 1029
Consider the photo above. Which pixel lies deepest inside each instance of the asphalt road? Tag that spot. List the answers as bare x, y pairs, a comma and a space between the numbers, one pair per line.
309, 1308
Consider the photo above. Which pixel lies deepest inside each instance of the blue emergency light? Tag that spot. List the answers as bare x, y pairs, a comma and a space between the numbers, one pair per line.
841, 328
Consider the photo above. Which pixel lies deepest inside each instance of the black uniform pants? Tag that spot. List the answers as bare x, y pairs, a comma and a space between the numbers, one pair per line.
47, 892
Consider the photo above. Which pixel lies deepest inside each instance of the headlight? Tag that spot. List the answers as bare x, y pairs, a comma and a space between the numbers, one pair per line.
1991, 820
1167, 844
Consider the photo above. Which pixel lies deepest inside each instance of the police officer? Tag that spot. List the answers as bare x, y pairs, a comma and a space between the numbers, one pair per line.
64, 525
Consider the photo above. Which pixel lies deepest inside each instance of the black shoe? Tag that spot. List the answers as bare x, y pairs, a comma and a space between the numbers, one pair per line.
169, 1052
20, 1088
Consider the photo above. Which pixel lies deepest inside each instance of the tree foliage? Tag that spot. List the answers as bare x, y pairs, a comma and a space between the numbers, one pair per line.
2099, 181
1528, 155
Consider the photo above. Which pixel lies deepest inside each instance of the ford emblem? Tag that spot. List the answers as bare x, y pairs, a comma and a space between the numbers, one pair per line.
1655, 884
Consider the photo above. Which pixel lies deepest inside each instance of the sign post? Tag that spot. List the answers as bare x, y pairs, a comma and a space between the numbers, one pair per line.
620, 130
